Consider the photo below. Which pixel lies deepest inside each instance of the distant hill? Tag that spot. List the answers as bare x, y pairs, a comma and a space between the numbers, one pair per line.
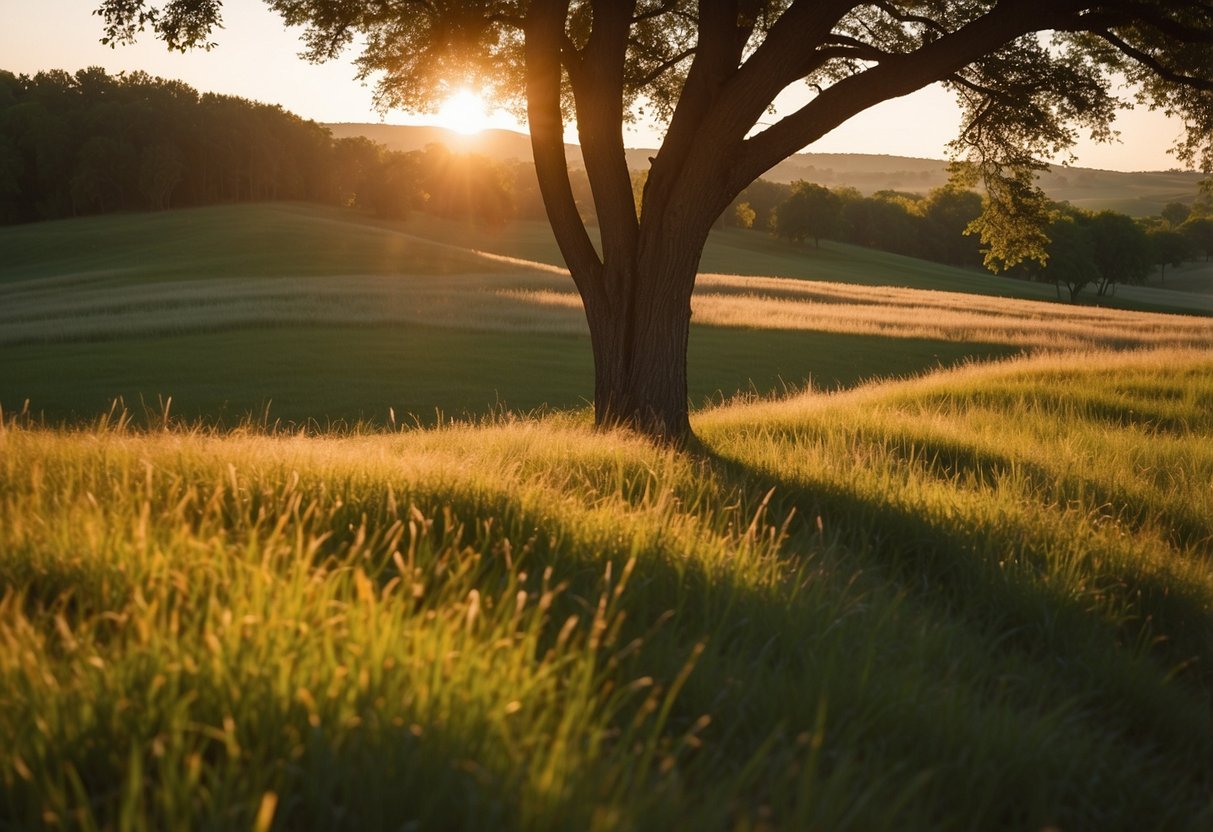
1136, 194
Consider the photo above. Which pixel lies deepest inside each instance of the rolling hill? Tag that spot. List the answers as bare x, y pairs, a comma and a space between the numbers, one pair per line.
978, 599
315, 314
938, 558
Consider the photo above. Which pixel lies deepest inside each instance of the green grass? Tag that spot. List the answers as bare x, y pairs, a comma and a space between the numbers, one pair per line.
270, 240
977, 600
325, 315
327, 374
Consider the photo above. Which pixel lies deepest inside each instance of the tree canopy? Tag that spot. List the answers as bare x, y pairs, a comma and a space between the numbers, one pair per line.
1029, 76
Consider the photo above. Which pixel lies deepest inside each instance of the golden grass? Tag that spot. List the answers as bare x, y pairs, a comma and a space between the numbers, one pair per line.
540, 299
978, 599
780, 303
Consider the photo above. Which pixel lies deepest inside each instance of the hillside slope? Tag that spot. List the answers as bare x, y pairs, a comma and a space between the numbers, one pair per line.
981, 599
322, 315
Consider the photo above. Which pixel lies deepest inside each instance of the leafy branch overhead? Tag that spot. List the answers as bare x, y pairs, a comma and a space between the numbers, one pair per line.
1030, 77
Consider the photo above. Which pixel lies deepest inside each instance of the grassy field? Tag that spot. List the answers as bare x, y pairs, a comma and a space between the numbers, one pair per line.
924, 593
980, 599
320, 315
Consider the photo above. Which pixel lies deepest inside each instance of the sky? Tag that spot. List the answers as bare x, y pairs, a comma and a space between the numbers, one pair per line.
256, 57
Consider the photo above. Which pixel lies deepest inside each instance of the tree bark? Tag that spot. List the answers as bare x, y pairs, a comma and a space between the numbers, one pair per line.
640, 346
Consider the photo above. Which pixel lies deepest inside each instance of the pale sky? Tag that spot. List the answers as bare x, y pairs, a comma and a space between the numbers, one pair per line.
257, 58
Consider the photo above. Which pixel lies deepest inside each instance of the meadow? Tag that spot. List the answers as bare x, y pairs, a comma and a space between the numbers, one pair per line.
937, 559
979, 599
323, 316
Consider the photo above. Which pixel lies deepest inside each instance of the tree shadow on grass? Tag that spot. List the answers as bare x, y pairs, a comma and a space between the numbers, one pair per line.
832, 629
1123, 637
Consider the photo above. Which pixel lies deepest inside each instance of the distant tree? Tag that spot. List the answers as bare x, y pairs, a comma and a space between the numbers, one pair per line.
397, 188
762, 196
947, 213
1175, 213
809, 211
528, 201
1071, 255
160, 172
356, 164
104, 168
745, 215
888, 221
1122, 251
12, 173
1028, 74
1199, 231
89, 141
465, 186
1168, 248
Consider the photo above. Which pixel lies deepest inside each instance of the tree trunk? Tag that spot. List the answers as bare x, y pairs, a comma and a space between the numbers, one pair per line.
640, 346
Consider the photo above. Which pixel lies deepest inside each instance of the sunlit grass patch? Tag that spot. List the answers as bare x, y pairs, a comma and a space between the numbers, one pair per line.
979, 598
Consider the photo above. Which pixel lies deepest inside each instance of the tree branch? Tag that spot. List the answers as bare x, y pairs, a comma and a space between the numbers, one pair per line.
664, 67
894, 77
543, 32
906, 17
598, 92
656, 11
716, 55
1159, 68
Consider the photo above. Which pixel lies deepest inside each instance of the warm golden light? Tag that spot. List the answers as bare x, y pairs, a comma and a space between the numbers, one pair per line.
464, 112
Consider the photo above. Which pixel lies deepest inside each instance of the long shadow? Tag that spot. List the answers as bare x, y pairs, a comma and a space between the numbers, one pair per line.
952, 570
763, 638
950, 458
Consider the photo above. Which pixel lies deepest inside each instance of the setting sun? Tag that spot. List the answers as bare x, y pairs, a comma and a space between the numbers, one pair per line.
464, 112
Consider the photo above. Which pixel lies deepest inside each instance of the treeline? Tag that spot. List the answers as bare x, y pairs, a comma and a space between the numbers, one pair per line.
930, 227
90, 142
1101, 250
1087, 249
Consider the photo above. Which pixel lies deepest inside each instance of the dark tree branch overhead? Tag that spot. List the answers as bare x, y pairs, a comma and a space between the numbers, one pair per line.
1156, 64
1027, 74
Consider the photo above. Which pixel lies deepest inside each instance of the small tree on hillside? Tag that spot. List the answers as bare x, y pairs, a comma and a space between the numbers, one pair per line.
809, 211
1028, 74
1071, 255
1175, 213
1122, 251
763, 197
1199, 232
744, 215
1168, 248
948, 213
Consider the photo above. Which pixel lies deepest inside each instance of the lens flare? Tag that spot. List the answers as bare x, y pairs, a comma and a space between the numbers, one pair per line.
464, 112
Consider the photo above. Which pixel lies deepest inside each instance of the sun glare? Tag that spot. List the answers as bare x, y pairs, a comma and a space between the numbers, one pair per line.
464, 112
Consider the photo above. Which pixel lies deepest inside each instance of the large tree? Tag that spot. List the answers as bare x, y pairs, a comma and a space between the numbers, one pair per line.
1029, 74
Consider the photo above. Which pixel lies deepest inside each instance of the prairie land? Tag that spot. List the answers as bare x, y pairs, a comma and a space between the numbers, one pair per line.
939, 558
319, 315
976, 599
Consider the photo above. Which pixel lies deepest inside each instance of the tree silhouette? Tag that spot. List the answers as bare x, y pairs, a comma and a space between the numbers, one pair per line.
1168, 248
810, 211
1071, 255
1199, 231
1028, 75
1122, 250
1175, 213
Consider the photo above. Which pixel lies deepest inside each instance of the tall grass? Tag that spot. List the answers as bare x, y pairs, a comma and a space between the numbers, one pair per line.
980, 599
